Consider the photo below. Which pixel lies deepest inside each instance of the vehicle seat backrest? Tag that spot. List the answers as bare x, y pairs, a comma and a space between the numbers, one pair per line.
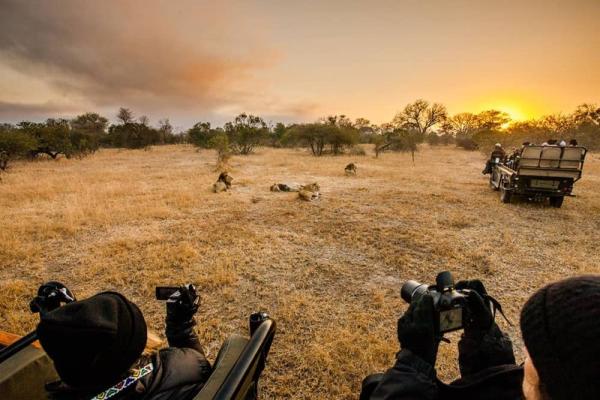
550, 157
228, 355
24, 375
530, 156
572, 157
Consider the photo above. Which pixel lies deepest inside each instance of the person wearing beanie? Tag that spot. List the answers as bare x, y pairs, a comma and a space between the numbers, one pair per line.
97, 347
560, 325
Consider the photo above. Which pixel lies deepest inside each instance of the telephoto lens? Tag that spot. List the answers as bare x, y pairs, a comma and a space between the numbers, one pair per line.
412, 288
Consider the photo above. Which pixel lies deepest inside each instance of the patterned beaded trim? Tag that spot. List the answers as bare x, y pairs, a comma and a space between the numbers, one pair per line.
125, 383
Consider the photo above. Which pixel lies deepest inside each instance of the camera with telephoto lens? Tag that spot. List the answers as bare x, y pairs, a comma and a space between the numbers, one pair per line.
449, 304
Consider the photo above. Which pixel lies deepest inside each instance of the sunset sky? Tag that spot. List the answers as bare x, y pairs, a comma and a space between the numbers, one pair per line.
295, 60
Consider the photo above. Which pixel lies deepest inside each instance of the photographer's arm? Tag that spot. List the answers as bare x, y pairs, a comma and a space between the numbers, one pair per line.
413, 375
181, 308
411, 378
483, 344
479, 352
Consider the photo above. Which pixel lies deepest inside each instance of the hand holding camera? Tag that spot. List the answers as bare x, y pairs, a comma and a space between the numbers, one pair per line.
416, 329
444, 307
478, 313
182, 302
50, 296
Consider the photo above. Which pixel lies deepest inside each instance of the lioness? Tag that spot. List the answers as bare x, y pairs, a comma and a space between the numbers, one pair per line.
350, 169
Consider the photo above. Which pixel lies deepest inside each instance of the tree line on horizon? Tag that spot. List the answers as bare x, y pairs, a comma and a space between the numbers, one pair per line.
418, 122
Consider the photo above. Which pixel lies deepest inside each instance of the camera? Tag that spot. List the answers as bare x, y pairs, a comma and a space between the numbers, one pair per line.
187, 290
449, 304
164, 292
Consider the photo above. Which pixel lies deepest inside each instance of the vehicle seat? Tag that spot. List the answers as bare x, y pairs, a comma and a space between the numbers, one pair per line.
228, 355
530, 156
550, 157
24, 375
572, 157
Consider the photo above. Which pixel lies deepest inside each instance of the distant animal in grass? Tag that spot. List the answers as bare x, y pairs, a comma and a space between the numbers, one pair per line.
307, 195
350, 169
223, 183
285, 187
225, 178
219, 187
311, 187
310, 192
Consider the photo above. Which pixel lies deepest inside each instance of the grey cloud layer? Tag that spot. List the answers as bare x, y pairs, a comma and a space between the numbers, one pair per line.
149, 54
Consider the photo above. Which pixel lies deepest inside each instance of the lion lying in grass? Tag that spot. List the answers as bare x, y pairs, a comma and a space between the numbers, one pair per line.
307, 192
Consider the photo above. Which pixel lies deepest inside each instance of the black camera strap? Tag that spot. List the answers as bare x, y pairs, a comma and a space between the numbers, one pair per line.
496, 306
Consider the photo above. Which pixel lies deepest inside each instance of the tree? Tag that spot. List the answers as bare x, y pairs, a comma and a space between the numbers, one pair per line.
463, 124
14, 144
220, 142
492, 120
420, 116
144, 120
587, 114
133, 135
125, 115
315, 136
245, 133
399, 140
52, 138
87, 132
165, 130
341, 137
278, 134
91, 123
201, 134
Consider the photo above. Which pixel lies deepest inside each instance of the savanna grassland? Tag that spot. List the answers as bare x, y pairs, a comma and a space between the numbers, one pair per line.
329, 272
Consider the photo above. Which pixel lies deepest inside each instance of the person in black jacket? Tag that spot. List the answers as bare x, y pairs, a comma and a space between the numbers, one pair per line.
498, 153
560, 324
97, 344
486, 359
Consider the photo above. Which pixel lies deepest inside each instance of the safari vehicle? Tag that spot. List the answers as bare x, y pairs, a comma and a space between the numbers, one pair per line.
539, 173
25, 368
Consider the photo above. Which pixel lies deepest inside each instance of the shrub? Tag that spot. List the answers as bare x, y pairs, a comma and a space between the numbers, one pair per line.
245, 133
467, 144
14, 144
220, 142
201, 134
357, 151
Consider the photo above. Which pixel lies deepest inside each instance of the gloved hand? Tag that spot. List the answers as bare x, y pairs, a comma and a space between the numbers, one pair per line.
49, 297
478, 315
182, 305
416, 331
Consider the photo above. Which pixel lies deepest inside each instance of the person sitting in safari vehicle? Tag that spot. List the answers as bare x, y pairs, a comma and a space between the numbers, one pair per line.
97, 347
560, 326
499, 153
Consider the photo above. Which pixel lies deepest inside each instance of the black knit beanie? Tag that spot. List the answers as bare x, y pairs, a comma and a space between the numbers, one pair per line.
561, 330
93, 342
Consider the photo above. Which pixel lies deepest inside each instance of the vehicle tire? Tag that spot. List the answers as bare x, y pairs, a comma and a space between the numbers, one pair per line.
505, 195
556, 202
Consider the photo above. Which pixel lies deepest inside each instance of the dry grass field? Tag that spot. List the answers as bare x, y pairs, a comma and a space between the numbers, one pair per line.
329, 272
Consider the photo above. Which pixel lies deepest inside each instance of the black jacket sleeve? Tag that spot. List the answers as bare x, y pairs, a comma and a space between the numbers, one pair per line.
485, 350
411, 378
182, 335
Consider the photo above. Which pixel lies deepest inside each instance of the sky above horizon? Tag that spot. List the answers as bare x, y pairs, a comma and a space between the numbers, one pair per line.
295, 61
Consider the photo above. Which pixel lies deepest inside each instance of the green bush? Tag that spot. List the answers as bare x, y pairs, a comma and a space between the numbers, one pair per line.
245, 132
14, 144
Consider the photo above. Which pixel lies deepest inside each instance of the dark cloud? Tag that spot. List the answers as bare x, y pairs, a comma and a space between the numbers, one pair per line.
151, 55
15, 112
